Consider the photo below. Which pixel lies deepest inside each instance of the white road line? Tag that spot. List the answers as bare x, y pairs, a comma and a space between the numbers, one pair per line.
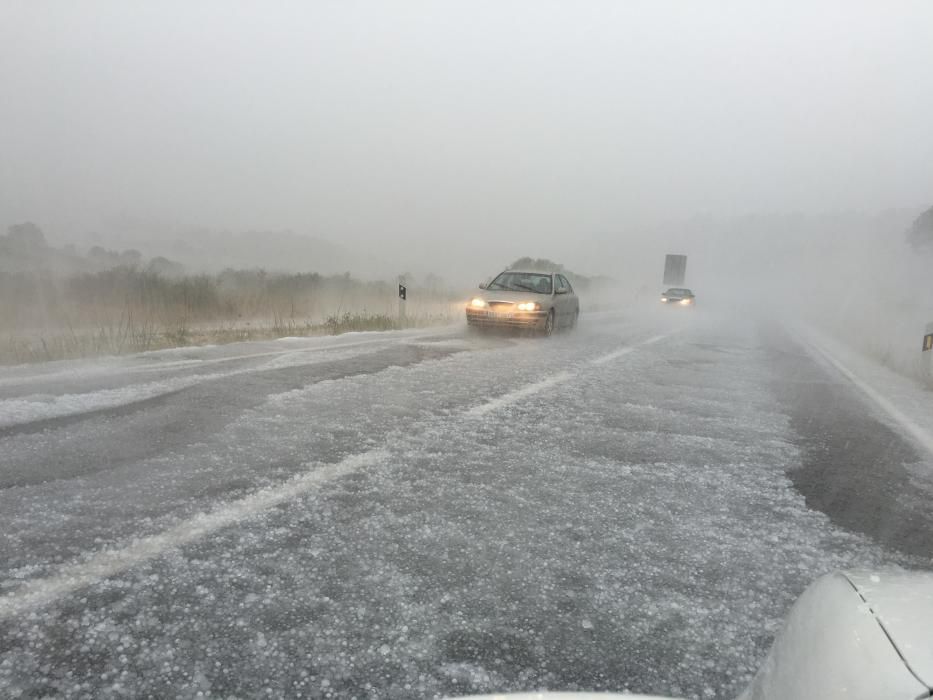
18, 412
110, 562
547, 383
922, 437
603, 359
513, 396
95, 371
184, 364
23, 411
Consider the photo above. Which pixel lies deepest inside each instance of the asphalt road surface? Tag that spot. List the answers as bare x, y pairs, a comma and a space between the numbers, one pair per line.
631, 506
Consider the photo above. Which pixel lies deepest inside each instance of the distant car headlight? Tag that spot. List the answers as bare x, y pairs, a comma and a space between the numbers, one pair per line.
529, 306
685, 302
663, 298
478, 303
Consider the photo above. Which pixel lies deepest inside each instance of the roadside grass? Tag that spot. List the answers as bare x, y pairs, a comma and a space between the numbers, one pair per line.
125, 310
127, 335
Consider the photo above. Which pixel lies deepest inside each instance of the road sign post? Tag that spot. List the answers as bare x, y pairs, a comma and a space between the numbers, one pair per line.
927, 362
927, 350
402, 298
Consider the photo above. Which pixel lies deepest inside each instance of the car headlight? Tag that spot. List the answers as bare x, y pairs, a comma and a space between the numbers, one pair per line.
478, 303
663, 298
685, 302
529, 306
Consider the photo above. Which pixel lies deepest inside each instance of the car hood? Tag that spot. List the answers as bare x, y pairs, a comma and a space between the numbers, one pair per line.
514, 297
902, 602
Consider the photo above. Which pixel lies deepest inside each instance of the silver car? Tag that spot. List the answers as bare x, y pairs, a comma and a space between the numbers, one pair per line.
539, 301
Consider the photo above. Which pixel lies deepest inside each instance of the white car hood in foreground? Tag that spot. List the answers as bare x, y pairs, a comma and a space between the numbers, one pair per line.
902, 602
855, 635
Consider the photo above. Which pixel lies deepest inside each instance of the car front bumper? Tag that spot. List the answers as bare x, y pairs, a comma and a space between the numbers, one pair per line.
513, 319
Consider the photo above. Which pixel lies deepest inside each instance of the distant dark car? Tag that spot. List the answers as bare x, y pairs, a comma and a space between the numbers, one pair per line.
677, 296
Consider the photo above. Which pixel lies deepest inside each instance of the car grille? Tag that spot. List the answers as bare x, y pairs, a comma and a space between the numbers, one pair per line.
475, 319
500, 305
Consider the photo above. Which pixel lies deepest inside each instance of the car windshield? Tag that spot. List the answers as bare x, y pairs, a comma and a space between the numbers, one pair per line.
533, 282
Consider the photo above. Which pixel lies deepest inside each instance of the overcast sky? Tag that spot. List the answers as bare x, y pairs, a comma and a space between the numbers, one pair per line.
456, 126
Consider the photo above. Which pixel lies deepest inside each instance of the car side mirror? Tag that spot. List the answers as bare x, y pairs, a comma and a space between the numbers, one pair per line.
482, 285
561, 290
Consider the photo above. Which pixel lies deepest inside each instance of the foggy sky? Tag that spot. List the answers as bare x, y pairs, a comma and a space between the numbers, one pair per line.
442, 131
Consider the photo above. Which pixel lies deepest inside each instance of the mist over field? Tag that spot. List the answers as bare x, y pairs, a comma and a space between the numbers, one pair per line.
341, 357
784, 148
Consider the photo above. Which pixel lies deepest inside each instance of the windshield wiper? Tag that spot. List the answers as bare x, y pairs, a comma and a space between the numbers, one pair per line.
528, 289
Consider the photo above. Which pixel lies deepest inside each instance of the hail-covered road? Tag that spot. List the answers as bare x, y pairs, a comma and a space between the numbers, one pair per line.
630, 506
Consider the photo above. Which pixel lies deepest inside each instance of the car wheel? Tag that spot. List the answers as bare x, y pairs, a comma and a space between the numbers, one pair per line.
575, 320
550, 323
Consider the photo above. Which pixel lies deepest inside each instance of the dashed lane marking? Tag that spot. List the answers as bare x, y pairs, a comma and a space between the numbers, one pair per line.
110, 562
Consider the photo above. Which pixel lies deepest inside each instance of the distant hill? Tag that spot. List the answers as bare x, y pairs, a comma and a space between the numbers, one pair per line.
285, 251
147, 247
24, 249
205, 250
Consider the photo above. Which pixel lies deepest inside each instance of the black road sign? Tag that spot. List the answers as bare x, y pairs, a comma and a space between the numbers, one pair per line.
928, 342
675, 270
402, 292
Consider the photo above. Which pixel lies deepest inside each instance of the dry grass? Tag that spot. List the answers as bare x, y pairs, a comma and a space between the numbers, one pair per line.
126, 336
125, 310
